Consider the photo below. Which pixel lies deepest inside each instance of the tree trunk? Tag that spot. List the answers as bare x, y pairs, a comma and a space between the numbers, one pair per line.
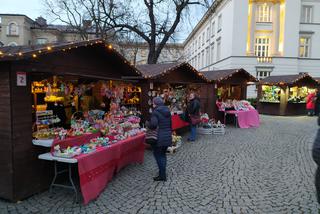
152, 58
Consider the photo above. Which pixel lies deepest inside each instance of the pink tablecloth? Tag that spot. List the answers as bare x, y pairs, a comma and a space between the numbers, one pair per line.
97, 169
247, 119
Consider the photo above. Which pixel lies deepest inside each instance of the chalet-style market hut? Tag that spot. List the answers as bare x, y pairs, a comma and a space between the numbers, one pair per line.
173, 81
21, 173
229, 84
286, 94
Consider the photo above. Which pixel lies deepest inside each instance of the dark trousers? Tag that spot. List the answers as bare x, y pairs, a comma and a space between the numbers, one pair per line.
160, 154
316, 158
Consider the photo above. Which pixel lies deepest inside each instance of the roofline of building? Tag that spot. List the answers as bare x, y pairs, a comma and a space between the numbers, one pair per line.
144, 44
56, 29
211, 10
8, 14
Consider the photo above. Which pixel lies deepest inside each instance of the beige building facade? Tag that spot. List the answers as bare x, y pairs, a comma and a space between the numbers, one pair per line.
16, 29
137, 53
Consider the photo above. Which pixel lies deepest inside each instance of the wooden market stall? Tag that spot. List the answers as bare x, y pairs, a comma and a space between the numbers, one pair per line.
21, 173
230, 84
174, 81
286, 94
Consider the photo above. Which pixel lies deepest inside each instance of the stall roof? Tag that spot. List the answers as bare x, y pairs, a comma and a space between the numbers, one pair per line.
288, 79
16, 53
153, 71
221, 75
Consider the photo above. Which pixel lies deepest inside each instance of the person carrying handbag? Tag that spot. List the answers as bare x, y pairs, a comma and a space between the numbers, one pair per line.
160, 123
193, 111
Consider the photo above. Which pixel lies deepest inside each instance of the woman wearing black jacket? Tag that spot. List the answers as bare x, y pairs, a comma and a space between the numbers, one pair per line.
193, 110
161, 120
316, 158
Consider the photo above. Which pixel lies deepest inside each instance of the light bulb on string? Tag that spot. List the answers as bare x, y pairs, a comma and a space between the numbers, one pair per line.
34, 55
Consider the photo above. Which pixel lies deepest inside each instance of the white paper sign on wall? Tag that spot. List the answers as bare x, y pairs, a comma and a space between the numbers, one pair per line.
21, 79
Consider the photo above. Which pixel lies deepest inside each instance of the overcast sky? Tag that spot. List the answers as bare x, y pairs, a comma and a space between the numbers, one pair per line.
36, 8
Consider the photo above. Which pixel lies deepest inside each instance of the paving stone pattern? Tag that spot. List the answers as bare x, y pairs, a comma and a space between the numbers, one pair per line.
265, 170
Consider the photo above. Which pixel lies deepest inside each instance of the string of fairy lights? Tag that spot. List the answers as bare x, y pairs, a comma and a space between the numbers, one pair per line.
166, 71
35, 53
300, 77
74, 45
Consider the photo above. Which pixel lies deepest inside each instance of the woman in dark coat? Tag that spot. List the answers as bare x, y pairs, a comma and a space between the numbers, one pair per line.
193, 110
316, 158
161, 120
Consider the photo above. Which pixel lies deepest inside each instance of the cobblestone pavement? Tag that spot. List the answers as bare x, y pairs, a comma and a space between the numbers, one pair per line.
265, 170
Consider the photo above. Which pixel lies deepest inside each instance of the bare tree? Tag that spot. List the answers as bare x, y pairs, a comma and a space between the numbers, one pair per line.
154, 21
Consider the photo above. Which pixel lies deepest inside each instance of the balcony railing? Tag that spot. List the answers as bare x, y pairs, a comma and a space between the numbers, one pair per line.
264, 59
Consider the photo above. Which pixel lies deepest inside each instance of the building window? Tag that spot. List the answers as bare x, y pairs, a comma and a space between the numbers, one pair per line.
219, 22
13, 29
202, 59
304, 46
207, 56
41, 41
213, 28
199, 42
218, 49
199, 61
208, 33
195, 61
203, 37
212, 53
196, 46
263, 74
306, 14
1, 44
263, 13
262, 46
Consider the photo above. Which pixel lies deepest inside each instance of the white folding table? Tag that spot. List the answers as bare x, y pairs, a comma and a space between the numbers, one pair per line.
69, 161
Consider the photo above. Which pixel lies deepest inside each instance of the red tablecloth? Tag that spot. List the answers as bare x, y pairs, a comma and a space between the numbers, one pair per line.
247, 119
97, 169
74, 141
177, 122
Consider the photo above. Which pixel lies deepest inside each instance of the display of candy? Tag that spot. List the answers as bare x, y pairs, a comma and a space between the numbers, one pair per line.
92, 130
62, 134
100, 141
69, 152
133, 119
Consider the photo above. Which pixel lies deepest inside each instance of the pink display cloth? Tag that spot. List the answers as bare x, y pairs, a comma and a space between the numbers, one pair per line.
246, 119
97, 169
132, 151
74, 141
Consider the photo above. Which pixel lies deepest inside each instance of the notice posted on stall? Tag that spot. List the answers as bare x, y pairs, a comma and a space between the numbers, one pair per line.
21, 79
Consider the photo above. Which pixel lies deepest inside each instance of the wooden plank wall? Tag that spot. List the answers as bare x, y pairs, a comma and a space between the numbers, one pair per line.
6, 166
30, 174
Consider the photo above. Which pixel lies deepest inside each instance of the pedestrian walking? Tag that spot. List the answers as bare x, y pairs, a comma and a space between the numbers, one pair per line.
317, 104
161, 120
193, 111
310, 103
316, 158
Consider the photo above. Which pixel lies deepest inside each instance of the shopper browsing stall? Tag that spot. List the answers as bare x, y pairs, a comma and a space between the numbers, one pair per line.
161, 120
193, 111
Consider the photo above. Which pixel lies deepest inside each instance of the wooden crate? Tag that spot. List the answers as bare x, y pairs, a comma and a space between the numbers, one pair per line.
204, 131
218, 131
